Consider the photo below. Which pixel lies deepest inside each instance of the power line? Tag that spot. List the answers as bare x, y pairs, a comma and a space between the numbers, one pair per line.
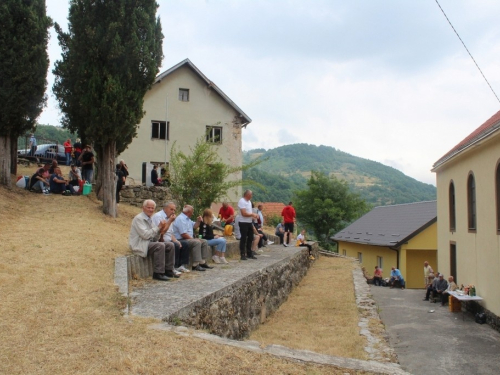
480, 71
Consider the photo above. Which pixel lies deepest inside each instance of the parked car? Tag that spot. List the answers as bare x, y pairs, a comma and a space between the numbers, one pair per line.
46, 152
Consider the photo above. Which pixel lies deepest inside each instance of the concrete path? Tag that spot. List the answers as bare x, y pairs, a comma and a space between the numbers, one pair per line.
438, 342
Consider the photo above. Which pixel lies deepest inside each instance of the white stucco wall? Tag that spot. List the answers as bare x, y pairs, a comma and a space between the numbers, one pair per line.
188, 121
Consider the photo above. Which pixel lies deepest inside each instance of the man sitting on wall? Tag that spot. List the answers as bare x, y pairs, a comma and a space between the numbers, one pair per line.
184, 229
396, 276
431, 287
144, 239
451, 288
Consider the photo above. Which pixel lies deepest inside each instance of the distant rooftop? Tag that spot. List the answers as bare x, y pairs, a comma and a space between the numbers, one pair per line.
390, 225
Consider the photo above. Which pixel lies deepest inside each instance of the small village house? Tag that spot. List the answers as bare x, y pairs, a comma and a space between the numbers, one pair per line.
468, 195
182, 106
403, 236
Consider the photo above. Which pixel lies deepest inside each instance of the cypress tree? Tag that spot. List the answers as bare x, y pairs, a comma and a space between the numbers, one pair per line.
111, 55
23, 71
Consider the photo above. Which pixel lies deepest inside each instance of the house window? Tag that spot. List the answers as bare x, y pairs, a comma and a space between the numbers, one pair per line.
344, 252
471, 202
160, 130
497, 192
451, 203
360, 257
214, 134
184, 95
380, 262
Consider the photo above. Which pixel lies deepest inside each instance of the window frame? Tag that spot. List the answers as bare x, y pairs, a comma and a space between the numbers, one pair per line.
210, 135
497, 195
380, 262
360, 257
183, 95
159, 130
452, 213
471, 204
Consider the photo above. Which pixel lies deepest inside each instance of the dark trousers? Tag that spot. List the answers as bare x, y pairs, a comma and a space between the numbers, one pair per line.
181, 253
309, 247
281, 236
377, 280
430, 290
163, 256
119, 186
246, 230
288, 231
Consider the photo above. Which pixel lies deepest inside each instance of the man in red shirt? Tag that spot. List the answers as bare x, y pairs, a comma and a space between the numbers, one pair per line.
226, 213
67, 151
288, 214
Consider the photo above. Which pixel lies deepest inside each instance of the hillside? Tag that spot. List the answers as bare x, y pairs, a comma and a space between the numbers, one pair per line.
287, 168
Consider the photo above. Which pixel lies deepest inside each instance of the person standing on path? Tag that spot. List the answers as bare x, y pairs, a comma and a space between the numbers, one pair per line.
427, 273
288, 214
246, 226
33, 146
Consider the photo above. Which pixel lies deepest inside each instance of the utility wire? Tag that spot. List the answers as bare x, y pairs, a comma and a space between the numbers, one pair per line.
494, 93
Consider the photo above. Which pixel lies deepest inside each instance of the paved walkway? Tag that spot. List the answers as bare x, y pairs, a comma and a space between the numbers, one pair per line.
438, 342
160, 299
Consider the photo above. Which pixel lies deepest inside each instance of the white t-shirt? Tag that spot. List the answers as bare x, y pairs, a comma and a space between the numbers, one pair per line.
245, 205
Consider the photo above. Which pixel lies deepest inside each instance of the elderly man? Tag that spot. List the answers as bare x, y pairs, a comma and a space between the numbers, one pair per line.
427, 273
441, 286
431, 286
396, 276
184, 229
451, 288
144, 239
246, 225
181, 246
226, 213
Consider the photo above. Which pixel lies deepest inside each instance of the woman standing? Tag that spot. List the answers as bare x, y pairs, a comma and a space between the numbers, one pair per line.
207, 233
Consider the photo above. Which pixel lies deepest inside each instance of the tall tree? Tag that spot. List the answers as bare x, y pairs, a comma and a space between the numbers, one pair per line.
327, 205
23, 70
111, 55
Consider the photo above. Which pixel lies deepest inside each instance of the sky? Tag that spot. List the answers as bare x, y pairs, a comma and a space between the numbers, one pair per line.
385, 80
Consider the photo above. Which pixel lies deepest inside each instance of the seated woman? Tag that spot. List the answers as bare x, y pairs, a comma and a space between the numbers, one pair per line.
377, 276
207, 233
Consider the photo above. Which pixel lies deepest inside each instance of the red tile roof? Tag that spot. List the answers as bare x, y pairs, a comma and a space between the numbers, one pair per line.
483, 131
271, 209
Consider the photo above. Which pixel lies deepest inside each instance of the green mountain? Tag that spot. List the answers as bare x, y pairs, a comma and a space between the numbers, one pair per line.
46, 134
287, 168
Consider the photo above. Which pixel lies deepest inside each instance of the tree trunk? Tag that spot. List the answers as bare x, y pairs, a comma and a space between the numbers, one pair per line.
107, 177
5, 161
13, 155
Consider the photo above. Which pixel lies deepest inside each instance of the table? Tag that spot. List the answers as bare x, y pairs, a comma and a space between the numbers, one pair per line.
464, 298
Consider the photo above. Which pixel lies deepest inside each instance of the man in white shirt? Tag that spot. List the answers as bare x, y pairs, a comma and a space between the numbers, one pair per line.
246, 226
181, 249
143, 239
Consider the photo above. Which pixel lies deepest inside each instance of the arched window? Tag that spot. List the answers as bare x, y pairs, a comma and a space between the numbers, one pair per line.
497, 193
471, 202
451, 202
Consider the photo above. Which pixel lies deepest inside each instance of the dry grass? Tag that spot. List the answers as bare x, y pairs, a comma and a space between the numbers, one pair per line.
60, 312
320, 315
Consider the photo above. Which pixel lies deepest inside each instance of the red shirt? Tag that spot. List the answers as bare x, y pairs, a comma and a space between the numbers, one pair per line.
288, 214
67, 147
225, 213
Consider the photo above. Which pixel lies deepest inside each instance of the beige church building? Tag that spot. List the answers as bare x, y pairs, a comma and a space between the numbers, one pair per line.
182, 106
468, 195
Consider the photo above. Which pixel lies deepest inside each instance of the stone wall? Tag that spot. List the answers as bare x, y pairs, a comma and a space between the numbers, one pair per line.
136, 194
235, 311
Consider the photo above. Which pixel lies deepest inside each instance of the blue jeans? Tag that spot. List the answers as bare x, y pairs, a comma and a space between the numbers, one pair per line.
87, 175
219, 242
68, 158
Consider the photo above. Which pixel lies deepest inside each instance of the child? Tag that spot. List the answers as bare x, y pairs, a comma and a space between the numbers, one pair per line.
301, 241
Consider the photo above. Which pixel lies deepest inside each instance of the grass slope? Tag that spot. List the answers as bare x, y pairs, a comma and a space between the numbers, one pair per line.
60, 312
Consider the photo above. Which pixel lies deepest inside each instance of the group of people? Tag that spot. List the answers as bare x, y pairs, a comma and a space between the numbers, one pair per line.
396, 277
49, 179
171, 239
436, 285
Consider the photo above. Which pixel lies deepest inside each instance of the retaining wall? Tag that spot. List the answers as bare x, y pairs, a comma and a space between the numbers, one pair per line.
236, 310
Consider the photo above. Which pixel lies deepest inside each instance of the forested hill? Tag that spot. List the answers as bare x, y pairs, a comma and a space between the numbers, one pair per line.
287, 168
